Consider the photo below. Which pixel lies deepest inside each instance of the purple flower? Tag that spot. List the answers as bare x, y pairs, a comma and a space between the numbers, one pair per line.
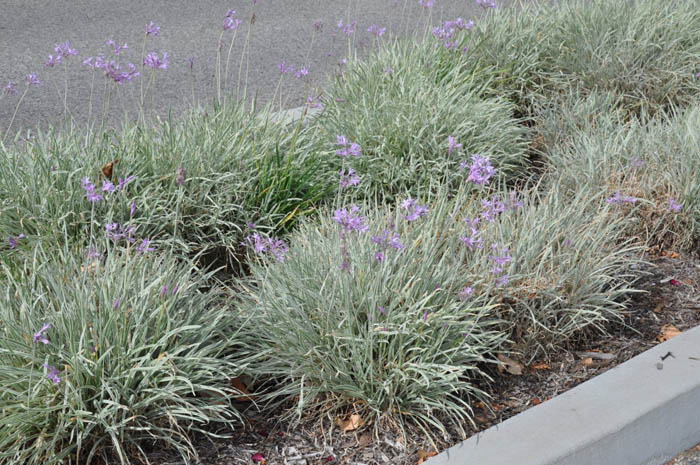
389, 71
39, 336
65, 50
31, 79
382, 310
348, 29
384, 242
175, 289
415, 210
163, 290
276, 247
452, 145
349, 220
486, 3
618, 199
107, 186
302, 72
473, 241
231, 23
499, 260
116, 232
465, 293
52, 374
191, 61
116, 304
90, 193
376, 30
133, 209
116, 48
492, 208
697, 75
503, 280
93, 253
179, 176
152, 29
143, 247
480, 171
10, 88
52, 61
353, 150
348, 179
673, 205
426, 3
154, 61
311, 104
284, 68
318, 25
13, 241
425, 316
123, 182
379, 256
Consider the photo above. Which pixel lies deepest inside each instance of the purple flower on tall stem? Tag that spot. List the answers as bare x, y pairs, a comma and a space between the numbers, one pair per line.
465, 293
486, 3
116, 303
152, 60
90, 193
302, 72
52, 61
231, 23
39, 335
480, 171
348, 29
314, 104
376, 30
318, 25
473, 241
673, 205
426, 3
107, 186
415, 210
52, 374
143, 247
349, 179
65, 50
261, 245
116, 48
451, 145
123, 182
14, 241
617, 199
353, 149
152, 29
349, 220
163, 290
10, 88
133, 209
284, 69
31, 79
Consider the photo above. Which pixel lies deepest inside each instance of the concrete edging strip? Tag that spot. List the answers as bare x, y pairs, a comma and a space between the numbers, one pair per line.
644, 411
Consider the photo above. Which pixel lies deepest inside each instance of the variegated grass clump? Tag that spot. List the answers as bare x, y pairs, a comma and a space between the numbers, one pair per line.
645, 52
396, 311
649, 168
402, 114
190, 186
100, 358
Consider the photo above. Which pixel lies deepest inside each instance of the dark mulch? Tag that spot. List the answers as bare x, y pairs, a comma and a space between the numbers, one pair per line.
672, 300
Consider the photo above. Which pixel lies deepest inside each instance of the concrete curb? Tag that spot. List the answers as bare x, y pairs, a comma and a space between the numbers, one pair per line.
642, 412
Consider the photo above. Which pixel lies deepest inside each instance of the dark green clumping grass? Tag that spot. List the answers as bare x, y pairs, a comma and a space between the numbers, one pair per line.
107, 358
402, 114
649, 168
643, 51
395, 312
195, 185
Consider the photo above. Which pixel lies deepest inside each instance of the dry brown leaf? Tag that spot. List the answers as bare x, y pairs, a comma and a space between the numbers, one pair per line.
238, 384
511, 366
351, 424
539, 366
658, 307
588, 361
667, 332
536, 401
423, 455
364, 440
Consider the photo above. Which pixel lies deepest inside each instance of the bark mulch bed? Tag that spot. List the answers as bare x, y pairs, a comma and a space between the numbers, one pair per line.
670, 305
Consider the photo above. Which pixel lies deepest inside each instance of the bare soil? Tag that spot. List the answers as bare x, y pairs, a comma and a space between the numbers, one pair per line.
671, 302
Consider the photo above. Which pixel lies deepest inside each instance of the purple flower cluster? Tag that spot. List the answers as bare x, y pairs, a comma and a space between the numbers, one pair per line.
618, 199
112, 69
349, 179
445, 33
673, 205
284, 68
231, 23
302, 72
14, 241
348, 29
452, 145
262, 245
90, 193
353, 148
10, 88
152, 29
116, 49
32, 80
349, 220
426, 3
62, 50
473, 241
117, 232
52, 374
314, 102
465, 293
486, 3
376, 30
499, 261
384, 241
143, 246
39, 335
153, 61
480, 170
415, 211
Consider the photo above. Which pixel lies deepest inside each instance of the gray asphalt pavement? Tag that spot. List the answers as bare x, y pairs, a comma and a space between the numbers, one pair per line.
303, 33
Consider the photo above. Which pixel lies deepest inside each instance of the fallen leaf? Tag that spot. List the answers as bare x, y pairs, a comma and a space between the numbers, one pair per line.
535, 401
422, 455
587, 361
658, 307
667, 332
511, 366
539, 366
364, 440
351, 424
258, 458
596, 355
238, 384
